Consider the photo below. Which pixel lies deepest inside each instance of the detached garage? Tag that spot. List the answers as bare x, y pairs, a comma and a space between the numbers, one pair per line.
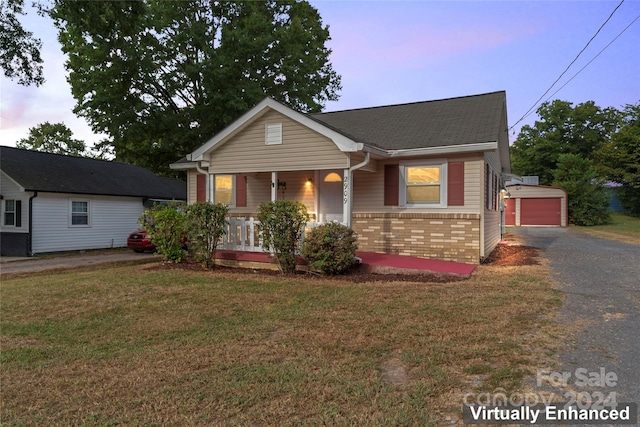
531, 205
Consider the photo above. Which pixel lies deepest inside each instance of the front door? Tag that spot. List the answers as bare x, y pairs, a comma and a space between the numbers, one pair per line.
330, 196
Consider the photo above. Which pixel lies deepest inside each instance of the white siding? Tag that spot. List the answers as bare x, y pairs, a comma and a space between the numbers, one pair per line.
11, 191
111, 221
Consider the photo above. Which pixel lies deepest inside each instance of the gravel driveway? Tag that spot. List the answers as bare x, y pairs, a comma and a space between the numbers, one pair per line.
601, 279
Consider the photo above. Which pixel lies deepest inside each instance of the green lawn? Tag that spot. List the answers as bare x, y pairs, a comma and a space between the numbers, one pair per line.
623, 228
139, 345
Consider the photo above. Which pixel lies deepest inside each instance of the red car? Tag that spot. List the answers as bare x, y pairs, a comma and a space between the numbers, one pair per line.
139, 242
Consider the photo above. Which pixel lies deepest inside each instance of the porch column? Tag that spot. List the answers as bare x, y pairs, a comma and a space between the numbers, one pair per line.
274, 186
347, 193
211, 187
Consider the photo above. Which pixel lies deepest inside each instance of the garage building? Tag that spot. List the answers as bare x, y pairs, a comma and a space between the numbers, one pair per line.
536, 205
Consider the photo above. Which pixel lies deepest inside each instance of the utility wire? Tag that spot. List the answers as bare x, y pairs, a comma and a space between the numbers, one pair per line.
593, 59
567, 69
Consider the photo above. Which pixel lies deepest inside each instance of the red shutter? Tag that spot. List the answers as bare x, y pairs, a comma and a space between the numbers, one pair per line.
201, 188
455, 184
391, 185
241, 191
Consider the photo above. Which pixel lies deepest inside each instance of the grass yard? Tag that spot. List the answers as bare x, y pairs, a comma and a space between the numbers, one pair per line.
623, 228
139, 345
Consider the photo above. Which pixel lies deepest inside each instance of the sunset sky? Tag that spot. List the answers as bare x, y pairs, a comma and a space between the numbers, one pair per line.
408, 51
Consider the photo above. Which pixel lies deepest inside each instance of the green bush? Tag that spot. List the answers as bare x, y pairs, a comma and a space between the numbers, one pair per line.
588, 203
330, 248
281, 226
206, 223
165, 228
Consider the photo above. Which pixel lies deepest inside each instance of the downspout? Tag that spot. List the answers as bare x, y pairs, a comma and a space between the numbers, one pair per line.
207, 183
30, 235
365, 162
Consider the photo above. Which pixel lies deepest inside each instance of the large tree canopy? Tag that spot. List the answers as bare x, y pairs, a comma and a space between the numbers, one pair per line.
619, 159
162, 77
562, 129
54, 138
19, 49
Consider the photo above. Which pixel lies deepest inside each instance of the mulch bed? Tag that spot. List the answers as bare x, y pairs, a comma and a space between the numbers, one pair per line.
501, 256
504, 255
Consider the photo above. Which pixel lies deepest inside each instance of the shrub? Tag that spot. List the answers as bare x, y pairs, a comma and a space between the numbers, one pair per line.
588, 202
165, 227
281, 226
206, 223
330, 248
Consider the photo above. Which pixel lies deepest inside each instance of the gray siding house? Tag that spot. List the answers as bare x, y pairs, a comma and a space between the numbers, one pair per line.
52, 203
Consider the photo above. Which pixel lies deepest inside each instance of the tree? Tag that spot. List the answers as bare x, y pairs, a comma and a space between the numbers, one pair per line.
160, 78
562, 129
587, 201
54, 138
619, 159
19, 49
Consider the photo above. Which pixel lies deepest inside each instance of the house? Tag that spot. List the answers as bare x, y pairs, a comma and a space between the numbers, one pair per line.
420, 179
53, 202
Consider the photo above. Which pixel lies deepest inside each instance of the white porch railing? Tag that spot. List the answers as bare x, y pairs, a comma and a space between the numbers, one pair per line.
243, 235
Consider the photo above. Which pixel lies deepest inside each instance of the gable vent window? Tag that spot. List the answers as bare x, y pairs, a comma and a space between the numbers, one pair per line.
273, 134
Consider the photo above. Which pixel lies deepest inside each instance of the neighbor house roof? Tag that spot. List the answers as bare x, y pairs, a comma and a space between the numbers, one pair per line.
55, 173
446, 122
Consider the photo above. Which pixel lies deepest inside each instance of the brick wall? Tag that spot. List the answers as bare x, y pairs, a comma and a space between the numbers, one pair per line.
452, 237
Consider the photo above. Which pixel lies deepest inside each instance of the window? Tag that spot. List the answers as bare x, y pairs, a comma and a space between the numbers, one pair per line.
13, 213
424, 184
224, 189
80, 213
273, 133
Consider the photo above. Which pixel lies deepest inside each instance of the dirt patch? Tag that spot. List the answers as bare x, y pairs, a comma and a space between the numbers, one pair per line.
506, 255
393, 373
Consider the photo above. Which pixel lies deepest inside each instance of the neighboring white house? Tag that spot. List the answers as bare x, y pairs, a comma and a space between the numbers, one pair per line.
52, 203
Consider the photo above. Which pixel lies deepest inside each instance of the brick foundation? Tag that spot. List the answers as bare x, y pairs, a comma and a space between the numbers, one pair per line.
451, 237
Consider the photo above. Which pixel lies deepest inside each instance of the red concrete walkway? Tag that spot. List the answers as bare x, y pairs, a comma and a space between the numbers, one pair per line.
371, 262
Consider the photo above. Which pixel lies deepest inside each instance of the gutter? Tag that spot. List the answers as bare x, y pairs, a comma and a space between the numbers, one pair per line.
447, 149
365, 162
199, 169
30, 235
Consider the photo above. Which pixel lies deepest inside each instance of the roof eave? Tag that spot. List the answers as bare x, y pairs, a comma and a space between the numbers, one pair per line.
427, 151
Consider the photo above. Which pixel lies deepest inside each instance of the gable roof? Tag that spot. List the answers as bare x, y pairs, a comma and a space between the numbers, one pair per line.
55, 173
343, 142
447, 122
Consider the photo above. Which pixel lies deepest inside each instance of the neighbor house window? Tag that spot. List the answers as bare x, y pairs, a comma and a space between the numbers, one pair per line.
80, 213
223, 193
273, 133
423, 184
13, 213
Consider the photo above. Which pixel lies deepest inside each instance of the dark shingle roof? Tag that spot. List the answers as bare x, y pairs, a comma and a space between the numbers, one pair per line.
454, 121
54, 173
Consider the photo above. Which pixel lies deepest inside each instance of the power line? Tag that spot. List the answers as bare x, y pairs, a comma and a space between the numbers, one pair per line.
593, 59
526, 114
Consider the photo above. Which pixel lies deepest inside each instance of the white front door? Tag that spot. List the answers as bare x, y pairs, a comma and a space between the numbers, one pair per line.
330, 200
